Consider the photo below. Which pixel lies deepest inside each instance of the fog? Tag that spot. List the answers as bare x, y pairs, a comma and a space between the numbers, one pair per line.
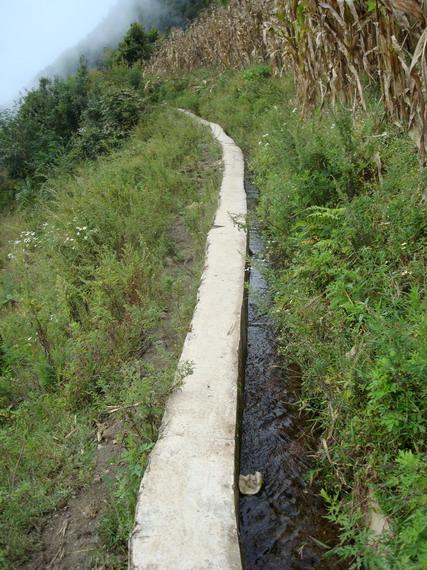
48, 35
34, 32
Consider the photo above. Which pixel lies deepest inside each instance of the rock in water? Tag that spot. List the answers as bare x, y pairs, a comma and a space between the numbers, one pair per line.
250, 484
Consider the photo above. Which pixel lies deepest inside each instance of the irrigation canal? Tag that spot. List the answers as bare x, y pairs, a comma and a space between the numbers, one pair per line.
282, 527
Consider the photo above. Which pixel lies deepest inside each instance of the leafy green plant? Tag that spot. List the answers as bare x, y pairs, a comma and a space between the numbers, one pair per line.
109, 116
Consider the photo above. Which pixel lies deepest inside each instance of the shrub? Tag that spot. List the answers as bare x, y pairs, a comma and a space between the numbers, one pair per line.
110, 115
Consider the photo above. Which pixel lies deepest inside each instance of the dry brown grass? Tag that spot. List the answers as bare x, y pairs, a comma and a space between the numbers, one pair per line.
334, 48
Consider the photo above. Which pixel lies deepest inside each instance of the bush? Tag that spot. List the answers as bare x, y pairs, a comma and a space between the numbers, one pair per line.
111, 113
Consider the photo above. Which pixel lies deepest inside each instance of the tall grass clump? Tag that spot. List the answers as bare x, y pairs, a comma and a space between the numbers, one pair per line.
97, 285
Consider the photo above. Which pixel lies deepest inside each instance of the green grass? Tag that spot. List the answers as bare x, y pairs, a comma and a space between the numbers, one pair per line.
95, 277
343, 205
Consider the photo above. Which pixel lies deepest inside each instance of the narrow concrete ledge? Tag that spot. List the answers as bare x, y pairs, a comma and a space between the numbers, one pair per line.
186, 515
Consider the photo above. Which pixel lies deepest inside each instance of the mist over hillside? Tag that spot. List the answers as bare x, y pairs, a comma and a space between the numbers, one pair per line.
161, 14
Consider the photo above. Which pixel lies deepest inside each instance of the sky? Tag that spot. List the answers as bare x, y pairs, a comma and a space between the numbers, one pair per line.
33, 33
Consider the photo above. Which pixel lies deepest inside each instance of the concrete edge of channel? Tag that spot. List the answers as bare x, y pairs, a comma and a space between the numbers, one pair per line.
186, 516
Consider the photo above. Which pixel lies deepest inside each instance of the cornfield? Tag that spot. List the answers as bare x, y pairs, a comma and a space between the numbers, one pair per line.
226, 37
336, 50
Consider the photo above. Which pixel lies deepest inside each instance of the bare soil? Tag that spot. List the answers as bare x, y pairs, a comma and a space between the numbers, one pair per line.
70, 538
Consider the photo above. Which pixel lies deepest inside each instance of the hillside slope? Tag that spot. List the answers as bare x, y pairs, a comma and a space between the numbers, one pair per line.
97, 284
159, 14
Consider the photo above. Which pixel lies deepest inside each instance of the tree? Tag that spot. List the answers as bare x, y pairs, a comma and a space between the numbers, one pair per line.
137, 45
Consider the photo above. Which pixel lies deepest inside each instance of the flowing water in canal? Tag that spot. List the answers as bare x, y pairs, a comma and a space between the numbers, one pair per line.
280, 526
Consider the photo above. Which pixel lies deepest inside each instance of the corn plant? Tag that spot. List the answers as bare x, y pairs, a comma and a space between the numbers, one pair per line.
335, 50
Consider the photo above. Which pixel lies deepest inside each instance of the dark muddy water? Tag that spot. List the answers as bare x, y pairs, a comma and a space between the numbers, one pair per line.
280, 525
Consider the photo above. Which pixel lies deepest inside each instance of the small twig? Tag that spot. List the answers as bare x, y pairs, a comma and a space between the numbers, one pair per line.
58, 556
63, 529
115, 409
71, 433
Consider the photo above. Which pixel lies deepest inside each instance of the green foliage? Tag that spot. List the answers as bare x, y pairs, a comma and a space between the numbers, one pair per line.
83, 116
349, 245
88, 275
137, 45
34, 138
108, 118
344, 212
257, 72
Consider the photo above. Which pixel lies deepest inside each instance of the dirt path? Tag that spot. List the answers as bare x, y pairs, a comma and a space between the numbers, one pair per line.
70, 540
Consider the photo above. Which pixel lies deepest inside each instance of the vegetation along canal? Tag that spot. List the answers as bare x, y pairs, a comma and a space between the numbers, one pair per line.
283, 526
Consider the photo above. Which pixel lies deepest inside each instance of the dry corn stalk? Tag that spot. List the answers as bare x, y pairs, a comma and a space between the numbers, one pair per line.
228, 37
334, 49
